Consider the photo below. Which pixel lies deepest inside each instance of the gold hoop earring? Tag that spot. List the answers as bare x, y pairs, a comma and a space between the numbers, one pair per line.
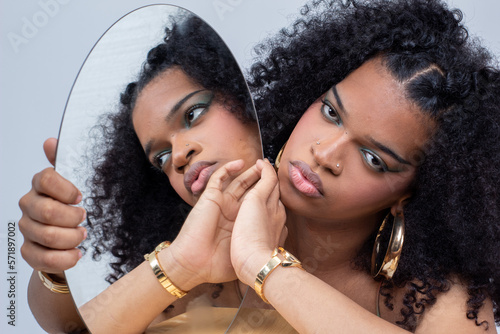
277, 161
385, 263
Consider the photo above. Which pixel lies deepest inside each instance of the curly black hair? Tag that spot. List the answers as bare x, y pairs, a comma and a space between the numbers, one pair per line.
132, 206
452, 221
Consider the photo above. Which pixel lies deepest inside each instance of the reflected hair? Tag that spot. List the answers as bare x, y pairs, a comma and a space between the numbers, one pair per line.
452, 221
132, 206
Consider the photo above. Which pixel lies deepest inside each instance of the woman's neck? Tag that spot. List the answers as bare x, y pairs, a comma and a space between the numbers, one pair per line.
327, 248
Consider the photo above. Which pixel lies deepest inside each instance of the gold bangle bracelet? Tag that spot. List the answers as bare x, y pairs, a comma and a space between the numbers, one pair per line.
53, 285
160, 274
288, 261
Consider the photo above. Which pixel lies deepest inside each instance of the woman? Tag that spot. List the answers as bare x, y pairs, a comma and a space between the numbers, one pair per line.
406, 125
132, 190
390, 111
133, 204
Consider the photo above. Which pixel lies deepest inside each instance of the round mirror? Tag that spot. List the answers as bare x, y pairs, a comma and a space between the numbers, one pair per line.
131, 204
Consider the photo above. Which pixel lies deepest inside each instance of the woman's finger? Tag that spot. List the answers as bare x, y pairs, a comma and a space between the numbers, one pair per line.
48, 260
267, 182
222, 174
51, 212
49, 147
241, 184
209, 206
274, 197
50, 183
50, 236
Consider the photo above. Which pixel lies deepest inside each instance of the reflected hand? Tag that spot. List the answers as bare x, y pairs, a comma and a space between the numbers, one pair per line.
49, 222
259, 226
203, 244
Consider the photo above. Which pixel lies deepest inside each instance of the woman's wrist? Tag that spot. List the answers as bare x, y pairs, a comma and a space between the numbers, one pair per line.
258, 267
177, 272
54, 283
251, 267
59, 276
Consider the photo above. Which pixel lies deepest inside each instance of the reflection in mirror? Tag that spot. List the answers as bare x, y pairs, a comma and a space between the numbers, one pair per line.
159, 105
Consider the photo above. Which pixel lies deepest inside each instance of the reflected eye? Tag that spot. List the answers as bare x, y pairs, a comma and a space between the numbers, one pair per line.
161, 158
193, 113
374, 161
330, 113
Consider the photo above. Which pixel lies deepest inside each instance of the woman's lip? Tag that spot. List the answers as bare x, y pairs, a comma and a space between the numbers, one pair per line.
196, 178
304, 179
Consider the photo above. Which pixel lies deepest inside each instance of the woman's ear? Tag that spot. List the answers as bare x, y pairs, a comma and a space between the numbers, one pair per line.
400, 204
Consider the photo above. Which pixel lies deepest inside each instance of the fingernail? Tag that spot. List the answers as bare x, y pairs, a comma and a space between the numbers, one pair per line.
80, 254
84, 234
84, 215
78, 198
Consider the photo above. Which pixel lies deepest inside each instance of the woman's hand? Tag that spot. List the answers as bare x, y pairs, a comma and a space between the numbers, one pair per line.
49, 222
259, 226
202, 248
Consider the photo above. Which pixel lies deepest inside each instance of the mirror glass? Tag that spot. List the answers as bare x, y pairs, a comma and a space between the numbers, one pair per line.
99, 152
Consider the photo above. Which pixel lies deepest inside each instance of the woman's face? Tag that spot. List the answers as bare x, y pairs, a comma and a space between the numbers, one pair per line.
188, 134
355, 150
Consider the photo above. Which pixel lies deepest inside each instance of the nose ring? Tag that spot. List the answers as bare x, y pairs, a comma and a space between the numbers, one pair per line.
338, 165
187, 144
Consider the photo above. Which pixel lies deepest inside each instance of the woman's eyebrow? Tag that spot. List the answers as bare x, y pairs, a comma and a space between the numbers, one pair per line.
147, 148
337, 98
179, 104
387, 150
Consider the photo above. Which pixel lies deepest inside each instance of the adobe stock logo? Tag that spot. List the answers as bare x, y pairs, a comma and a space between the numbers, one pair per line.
31, 25
224, 6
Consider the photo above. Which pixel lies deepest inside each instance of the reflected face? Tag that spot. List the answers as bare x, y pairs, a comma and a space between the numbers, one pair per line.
188, 134
355, 150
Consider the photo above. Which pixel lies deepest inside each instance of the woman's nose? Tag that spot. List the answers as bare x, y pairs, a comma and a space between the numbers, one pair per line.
328, 152
183, 150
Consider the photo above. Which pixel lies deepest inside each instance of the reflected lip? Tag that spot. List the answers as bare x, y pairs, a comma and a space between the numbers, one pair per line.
304, 179
194, 174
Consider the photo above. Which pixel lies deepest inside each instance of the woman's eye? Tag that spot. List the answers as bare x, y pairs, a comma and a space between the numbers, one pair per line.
193, 113
330, 113
161, 159
374, 161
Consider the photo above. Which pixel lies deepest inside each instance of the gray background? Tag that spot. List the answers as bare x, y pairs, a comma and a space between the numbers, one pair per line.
37, 74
